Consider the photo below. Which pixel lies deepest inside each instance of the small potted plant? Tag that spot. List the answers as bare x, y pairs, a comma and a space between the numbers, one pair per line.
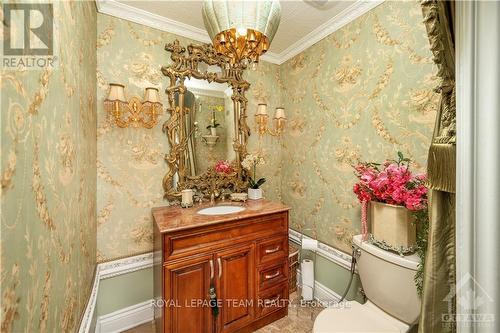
250, 163
393, 194
212, 126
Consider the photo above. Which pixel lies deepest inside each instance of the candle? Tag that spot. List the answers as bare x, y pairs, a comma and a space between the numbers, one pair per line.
187, 198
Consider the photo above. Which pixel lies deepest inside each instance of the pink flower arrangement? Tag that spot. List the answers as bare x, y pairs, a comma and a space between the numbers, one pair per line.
223, 167
393, 183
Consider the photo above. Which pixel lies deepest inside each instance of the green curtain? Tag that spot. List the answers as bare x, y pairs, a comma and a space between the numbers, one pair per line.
439, 271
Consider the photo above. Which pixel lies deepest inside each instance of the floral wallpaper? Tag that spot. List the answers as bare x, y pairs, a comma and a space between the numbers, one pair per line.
67, 199
48, 182
265, 88
344, 101
362, 93
130, 164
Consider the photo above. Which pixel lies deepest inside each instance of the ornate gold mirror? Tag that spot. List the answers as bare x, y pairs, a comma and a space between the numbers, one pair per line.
207, 123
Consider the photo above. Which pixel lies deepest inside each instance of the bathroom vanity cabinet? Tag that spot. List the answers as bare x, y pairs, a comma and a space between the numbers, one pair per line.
244, 256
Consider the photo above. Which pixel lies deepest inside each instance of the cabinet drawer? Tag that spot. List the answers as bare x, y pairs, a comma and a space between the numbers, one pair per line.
214, 237
272, 299
273, 274
272, 249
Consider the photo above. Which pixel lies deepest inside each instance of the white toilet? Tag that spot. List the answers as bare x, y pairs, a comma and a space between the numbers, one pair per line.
393, 304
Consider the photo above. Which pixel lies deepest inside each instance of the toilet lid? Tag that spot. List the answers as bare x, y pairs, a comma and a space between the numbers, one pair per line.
357, 318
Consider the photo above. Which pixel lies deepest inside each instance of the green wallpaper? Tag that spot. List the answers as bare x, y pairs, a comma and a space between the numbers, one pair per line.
48, 177
362, 93
345, 102
130, 165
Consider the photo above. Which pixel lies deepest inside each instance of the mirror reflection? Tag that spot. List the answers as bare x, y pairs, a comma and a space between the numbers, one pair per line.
209, 124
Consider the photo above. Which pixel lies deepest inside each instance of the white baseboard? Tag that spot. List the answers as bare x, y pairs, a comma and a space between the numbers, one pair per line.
126, 318
322, 293
110, 269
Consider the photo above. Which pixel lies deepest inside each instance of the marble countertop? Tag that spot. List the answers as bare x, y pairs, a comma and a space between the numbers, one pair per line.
175, 218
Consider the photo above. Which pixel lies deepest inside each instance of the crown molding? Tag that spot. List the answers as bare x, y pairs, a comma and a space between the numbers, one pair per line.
346, 16
272, 57
136, 15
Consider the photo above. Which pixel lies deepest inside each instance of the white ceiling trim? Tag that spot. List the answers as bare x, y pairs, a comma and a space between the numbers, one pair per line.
349, 14
136, 15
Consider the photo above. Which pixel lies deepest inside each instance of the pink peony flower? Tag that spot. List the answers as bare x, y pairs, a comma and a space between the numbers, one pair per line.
223, 167
393, 184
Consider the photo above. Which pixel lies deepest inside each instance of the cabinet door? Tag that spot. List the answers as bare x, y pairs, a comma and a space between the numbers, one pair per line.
186, 295
236, 287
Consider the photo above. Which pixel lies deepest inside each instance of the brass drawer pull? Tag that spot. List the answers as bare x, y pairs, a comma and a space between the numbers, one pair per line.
268, 302
211, 269
276, 249
220, 267
270, 276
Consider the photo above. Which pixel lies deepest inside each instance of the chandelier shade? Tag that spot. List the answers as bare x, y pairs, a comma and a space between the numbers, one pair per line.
241, 30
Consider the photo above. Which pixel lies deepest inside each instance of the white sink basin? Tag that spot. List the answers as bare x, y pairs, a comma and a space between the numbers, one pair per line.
221, 210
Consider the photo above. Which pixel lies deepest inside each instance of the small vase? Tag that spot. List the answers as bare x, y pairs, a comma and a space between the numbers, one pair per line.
254, 193
213, 131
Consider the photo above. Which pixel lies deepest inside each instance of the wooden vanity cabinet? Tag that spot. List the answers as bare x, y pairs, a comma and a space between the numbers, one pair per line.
185, 281
245, 259
236, 287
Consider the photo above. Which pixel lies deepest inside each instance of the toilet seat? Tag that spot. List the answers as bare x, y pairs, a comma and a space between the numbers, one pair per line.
357, 318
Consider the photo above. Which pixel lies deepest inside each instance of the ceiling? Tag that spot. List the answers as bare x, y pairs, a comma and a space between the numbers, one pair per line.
303, 22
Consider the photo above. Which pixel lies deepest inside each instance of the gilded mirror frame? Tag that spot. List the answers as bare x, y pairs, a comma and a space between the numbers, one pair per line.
185, 65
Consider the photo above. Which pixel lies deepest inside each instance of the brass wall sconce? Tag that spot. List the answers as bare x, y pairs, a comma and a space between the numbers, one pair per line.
261, 118
133, 112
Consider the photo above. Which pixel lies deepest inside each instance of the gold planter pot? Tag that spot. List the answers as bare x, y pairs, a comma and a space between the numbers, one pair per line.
392, 227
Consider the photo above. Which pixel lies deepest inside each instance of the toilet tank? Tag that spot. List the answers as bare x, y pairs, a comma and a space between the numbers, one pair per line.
388, 280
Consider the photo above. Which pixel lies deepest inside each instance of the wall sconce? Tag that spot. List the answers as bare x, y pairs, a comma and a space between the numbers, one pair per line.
261, 118
140, 113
